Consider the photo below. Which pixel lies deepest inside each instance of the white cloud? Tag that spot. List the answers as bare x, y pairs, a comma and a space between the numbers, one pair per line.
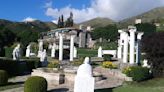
48, 4
28, 19
113, 9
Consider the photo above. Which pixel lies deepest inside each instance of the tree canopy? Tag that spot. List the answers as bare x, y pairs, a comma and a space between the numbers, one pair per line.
153, 46
107, 32
147, 28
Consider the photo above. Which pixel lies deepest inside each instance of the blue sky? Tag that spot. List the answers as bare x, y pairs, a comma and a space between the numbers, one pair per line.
17, 10
48, 10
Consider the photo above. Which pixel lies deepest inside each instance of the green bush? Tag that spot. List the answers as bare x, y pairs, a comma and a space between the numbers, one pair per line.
54, 64
35, 84
77, 62
8, 52
3, 77
107, 57
137, 73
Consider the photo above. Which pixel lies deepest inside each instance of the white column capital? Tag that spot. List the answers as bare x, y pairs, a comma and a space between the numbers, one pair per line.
132, 31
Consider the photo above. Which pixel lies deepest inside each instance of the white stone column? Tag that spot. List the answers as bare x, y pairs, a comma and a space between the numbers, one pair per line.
125, 49
60, 47
138, 52
100, 52
119, 52
132, 45
71, 47
119, 49
75, 52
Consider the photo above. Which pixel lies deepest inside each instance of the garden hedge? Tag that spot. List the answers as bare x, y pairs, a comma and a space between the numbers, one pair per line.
3, 77
15, 68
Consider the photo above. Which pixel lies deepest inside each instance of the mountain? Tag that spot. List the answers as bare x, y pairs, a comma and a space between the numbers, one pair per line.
150, 16
97, 22
36, 25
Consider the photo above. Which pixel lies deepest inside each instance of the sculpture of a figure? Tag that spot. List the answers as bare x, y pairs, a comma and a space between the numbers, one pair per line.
43, 58
53, 50
84, 80
85, 69
16, 52
41, 45
40, 48
28, 51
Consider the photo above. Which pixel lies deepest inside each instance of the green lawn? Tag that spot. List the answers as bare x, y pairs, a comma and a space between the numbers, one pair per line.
83, 52
154, 85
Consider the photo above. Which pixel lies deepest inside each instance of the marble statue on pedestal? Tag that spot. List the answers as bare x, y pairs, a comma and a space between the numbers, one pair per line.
43, 58
40, 48
84, 80
53, 48
16, 52
100, 52
145, 63
28, 51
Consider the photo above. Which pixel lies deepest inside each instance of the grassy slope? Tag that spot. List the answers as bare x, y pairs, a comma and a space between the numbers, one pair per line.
154, 85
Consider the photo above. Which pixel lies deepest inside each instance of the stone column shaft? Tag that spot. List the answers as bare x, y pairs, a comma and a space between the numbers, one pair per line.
71, 47
60, 47
132, 45
125, 49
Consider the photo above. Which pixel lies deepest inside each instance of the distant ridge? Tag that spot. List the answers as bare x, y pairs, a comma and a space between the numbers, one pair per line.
97, 22
36, 25
150, 16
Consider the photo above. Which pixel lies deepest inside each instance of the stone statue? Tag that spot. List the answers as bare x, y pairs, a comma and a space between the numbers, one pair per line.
145, 63
28, 51
84, 80
53, 50
40, 48
41, 45
100, 52
16, 52
75, 52
85, 69
43, 58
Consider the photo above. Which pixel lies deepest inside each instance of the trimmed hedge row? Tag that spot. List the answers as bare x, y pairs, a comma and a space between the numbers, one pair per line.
3, 77
18, 67
35, 84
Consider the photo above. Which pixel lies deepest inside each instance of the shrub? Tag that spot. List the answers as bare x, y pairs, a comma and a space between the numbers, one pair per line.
153, 46
137, 73
77, 62
3, 77
53, 64
107, 57
35, 84
108, 64
8, 52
